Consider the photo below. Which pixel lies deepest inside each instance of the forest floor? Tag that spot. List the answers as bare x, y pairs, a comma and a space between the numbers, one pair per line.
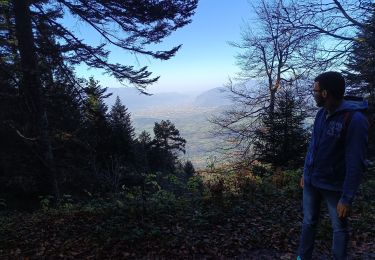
263, 225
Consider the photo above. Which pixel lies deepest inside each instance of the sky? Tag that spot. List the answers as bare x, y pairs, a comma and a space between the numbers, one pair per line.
205, 61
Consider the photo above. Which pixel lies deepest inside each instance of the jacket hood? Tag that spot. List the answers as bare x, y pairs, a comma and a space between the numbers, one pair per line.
353, 104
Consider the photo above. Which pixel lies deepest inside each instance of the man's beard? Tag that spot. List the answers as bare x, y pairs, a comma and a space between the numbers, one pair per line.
319, 102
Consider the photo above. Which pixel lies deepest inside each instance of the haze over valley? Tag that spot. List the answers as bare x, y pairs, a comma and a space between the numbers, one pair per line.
188, 112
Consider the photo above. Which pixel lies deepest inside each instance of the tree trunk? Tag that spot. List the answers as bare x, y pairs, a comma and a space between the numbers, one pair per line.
31, 91
271, 114
271, 108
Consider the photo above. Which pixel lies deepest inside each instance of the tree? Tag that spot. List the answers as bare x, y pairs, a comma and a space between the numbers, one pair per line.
360, 70
143, 150
34, 39
122, 133
166, 144
272, 57
342, 29
144, 138
189, 169
283, 142
167, 137
97, 123
335, 23
32, 93
129, 25
41, 123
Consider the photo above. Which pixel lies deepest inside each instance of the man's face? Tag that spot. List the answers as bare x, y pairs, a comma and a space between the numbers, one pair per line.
319, 95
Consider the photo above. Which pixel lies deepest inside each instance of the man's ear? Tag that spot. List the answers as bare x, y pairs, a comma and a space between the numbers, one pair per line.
324, 93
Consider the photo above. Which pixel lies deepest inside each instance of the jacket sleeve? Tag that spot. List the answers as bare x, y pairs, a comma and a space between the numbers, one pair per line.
355, 156
309, 154
308, 157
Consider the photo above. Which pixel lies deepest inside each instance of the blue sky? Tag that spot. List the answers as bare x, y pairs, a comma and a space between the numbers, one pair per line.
205, 61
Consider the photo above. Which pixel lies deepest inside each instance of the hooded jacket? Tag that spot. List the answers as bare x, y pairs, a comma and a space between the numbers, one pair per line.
336, 157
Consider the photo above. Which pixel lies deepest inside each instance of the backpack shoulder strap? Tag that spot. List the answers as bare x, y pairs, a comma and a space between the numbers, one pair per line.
348, 118
346, 122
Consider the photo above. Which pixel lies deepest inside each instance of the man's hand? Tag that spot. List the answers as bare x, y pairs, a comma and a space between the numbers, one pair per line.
301, 182
343, 210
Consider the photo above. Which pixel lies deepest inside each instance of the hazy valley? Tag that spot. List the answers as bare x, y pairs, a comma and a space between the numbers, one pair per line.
189, 113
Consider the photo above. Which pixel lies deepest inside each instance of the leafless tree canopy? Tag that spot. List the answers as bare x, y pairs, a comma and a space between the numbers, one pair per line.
272, 54
335, 24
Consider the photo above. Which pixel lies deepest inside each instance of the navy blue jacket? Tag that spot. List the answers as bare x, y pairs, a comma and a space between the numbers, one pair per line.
336, 157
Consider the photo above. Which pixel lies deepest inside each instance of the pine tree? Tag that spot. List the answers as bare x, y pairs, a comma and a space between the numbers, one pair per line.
144, 138
189, 169
122, 131
361, 67
167, 137
360, 71
143, 151
282, 141
129, 25
166, 145
96, 123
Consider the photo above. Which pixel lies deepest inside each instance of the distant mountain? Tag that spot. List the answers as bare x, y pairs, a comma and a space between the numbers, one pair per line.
215, 97
134, 100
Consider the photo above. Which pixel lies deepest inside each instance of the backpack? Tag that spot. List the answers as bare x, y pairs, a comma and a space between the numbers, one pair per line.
348, 117
349, 114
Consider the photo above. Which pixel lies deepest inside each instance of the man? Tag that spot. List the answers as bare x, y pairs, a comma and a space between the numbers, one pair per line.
334, 163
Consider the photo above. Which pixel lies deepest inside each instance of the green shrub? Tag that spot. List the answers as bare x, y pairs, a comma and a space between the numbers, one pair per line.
195, 185
46, 202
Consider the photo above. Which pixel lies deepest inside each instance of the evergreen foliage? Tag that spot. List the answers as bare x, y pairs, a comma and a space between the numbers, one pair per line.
360, 71
129, 25
96, 122
56, 132
122, 134
167, 137
189, 169
165, 146
282, 141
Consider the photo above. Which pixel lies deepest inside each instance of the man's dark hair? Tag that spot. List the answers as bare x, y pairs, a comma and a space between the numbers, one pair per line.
333, 82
